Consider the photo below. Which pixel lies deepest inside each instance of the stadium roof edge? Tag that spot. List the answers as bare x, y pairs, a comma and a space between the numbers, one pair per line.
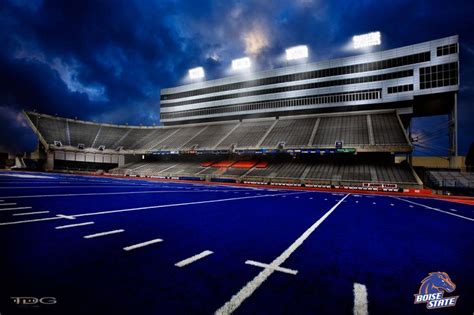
346, 113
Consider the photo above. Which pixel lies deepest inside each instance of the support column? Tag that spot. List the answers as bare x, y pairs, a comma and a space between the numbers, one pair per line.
453, 133
49, 161
410, 155
121, 160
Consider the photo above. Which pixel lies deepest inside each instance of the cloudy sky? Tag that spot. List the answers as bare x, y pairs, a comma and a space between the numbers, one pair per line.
106, 60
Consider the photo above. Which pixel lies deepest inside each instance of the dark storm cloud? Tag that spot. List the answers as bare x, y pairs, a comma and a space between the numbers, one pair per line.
107, 60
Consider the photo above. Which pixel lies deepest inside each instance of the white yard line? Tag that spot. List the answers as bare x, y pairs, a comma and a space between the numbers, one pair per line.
37, 182
361, 302
276, 268
253, 285
69, 217
435, 209
131, 247
192, 259
29, 213
104, 233
108, 193
8, 204
176, 205
32, 220
73, 225
16, 208
151, 207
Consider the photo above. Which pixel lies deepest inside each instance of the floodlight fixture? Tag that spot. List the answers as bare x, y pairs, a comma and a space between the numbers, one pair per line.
297, 52
241, 63
196, 73
367, 40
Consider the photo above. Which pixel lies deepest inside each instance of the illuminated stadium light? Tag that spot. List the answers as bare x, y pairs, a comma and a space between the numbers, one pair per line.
367, 40
196, 73
297, 52
241, 64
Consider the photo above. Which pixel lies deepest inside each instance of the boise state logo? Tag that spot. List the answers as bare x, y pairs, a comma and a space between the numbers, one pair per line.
432, 291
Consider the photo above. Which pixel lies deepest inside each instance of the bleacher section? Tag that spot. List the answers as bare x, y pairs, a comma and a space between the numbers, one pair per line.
82, 133
387, 130
349, 172
394, 174
53, 129
367, 133
354, 130
178, 138
108, 136
450, 180
298, 172
247, 134
210, 137
291, 132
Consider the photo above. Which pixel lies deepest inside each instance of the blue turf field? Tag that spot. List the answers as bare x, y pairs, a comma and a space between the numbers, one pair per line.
386, 244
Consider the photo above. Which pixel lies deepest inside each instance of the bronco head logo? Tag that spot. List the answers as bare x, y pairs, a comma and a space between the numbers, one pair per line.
436, 282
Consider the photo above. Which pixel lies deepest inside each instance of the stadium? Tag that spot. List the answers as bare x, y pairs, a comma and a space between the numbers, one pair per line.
286, 191
337, 123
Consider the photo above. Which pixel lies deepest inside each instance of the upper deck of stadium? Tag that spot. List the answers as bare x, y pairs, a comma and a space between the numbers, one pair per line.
418, 79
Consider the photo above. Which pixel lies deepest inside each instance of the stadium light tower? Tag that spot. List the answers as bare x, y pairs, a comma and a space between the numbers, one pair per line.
297, 52
367, 40
196, 73
241, 64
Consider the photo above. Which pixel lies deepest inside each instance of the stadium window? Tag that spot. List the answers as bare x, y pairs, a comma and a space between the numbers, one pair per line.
446, 50
453, 49
363, 79
311, 74
322, 99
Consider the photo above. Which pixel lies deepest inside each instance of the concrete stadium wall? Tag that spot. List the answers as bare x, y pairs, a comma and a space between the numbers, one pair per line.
457, 162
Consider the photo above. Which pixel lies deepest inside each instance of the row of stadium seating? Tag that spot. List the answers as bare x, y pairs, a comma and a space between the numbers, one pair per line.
450, 179
353, 172
359, 130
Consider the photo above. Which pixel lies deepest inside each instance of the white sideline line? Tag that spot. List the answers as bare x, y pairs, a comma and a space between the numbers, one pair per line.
104, 233
435, 209
75, 186
253, 285
2, 200
142, 244
192, 259
73, 225
150, 207
277, 268
29, 213
107, 193
453, 210
17, 208
8, 204
360, 299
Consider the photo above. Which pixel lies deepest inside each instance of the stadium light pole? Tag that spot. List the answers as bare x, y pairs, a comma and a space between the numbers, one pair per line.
367, 40
241, 64
196, 73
